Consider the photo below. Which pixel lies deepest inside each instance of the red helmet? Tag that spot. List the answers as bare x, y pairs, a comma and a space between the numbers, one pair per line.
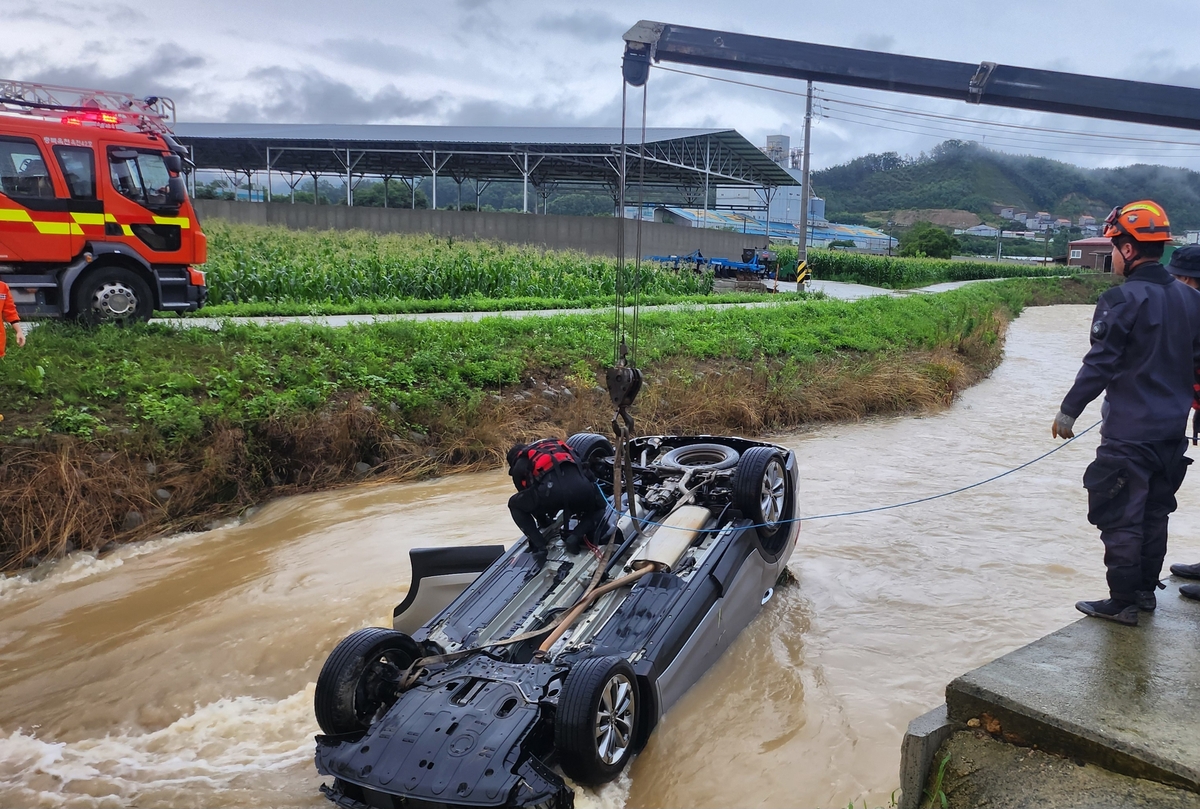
1143, 221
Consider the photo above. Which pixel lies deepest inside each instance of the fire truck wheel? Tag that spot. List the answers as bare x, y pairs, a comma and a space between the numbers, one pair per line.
112, 295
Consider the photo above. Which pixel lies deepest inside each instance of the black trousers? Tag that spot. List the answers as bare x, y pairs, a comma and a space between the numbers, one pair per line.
567, 489
1131, 491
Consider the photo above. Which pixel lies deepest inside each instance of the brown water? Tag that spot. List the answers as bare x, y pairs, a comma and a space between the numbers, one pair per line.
179, 673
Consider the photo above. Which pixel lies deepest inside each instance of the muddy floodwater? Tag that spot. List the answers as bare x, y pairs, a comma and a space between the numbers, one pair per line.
180, 672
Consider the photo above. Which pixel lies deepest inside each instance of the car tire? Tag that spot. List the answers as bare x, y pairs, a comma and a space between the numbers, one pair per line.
112, 295
700, 457
762, 492
596, 720
359, 678
590, 447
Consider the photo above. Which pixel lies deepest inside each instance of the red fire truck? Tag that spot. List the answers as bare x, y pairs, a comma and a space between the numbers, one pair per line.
95, 222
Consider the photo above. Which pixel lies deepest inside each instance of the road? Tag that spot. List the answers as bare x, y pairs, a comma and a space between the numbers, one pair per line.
834, 289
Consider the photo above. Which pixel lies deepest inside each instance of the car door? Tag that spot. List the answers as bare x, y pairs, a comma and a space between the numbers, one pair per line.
35, 223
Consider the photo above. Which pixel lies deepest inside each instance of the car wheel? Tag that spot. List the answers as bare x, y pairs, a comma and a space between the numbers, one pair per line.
700, 456
761, 490
112, 295
360, 677
589, 447
596, 719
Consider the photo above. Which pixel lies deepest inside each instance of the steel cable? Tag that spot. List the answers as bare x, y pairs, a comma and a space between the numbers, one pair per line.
906, 503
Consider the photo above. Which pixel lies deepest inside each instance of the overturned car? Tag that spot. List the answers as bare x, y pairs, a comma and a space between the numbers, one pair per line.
498, 670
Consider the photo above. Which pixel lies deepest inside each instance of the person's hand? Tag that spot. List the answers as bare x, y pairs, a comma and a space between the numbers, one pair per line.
1063, 427
20, 336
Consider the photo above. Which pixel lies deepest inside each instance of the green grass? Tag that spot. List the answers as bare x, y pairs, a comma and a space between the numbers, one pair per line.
176, 384
906, 273
391, 306
253, 264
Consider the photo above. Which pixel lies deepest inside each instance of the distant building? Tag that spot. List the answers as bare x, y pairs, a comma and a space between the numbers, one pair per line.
980, 230
1085, 221
785, 202
822, 234
1020, 216
1093, 253
1006, 213
1192, 237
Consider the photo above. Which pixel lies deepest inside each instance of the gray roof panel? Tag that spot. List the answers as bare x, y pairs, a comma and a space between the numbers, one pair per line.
586, 155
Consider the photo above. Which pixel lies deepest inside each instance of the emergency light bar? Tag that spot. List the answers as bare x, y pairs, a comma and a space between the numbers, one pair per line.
84, 106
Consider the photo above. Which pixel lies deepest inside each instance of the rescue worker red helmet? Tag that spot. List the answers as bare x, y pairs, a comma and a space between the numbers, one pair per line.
1142, 221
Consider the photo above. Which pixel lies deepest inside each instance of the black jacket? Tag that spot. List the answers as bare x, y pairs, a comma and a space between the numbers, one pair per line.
1145, 352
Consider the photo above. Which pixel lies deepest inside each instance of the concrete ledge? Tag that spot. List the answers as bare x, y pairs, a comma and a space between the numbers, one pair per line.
1123, 698
925, 735
984, 772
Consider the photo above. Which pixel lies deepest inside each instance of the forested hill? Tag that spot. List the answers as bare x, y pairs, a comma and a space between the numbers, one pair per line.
964, 175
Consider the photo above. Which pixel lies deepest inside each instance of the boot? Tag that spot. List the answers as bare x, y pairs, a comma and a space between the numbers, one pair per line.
1186, 571
1190, 591
1145, 599
1123, 612
573, 544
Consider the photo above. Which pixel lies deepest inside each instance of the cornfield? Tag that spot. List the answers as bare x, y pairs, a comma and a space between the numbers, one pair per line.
254, 264
904, 273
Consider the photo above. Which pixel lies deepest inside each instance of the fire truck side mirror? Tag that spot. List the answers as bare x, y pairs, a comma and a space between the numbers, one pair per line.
176, 191
173, 162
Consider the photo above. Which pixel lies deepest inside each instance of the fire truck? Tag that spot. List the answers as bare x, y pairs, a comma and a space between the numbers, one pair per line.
95, 221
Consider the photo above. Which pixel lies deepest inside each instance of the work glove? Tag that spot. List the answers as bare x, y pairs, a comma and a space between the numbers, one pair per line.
1063, 427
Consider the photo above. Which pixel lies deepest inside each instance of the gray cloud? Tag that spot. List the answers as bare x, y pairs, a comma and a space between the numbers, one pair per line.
309, 96
590, 26
167, 70
524, 62
876, 42
375, 54
541, 112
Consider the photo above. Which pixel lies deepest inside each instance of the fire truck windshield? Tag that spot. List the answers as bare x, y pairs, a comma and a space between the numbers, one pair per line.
141, 176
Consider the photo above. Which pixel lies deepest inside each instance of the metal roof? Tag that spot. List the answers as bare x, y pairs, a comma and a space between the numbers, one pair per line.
674, 157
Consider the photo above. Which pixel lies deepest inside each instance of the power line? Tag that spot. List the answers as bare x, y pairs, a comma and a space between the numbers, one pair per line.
897, 110
860, 102
1033, 144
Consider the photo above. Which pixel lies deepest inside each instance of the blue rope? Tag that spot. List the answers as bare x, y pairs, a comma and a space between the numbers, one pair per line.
894, 505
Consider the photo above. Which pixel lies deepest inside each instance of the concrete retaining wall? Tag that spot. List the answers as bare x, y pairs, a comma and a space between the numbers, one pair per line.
589, 234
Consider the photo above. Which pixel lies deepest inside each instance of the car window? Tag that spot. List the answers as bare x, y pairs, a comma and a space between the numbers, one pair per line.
79, 167
141, 176
23, 171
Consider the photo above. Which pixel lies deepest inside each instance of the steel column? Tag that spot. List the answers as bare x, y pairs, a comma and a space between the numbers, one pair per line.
805, 186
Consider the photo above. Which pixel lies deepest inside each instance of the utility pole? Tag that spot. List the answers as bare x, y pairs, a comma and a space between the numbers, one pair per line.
805, 188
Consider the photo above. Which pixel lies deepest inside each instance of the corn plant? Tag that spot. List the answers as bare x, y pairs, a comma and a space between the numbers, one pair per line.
252, 264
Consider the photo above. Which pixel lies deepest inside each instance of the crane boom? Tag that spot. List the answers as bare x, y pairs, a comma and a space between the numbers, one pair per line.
984, 83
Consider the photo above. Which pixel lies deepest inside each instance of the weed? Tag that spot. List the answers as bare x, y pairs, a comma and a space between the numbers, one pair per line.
934, 794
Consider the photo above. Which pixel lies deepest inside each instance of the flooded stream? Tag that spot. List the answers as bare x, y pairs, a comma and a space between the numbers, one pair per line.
180, 672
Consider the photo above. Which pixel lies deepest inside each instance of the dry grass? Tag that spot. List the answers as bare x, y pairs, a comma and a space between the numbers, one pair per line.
67, 494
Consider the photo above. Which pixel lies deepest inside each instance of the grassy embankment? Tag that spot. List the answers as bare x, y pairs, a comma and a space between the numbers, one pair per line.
177, 427
256, 271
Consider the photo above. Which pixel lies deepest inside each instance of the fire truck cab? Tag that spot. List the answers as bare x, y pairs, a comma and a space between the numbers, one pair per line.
95, 221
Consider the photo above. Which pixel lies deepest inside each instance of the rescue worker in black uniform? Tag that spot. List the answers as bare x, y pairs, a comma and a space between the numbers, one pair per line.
1185, 267
549, 479
1145, 350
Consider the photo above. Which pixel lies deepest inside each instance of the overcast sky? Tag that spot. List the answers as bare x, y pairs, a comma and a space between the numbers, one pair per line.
486, 62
